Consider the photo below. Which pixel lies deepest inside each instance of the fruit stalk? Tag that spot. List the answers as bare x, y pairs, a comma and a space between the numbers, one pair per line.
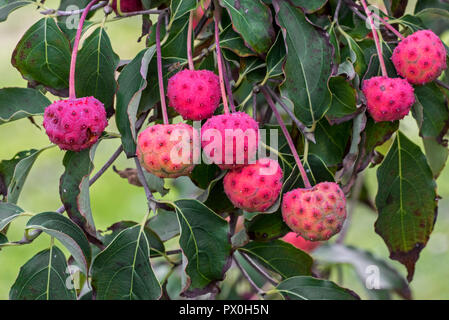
388, 26
189, 41
159, 69
270, 102
72, 93
376, 39
217, 16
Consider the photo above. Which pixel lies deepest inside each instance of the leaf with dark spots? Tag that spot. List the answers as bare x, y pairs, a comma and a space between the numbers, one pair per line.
406, 185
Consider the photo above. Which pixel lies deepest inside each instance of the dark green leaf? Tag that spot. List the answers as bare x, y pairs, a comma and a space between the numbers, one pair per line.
205, 244
406, 201
8, 6
96, 65
309, 5
281, 257
344, 100
43, 277
8, 212
231, 40
67, 232
123, 271
266, 227
3, 239
165, 224
308, 288
178, 8
308, 65
43, 55
18, 103
253, 21
14, 172
276, 57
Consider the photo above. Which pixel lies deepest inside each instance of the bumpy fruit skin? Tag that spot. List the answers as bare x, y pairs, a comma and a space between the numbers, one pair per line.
315, 214
127, 5
420, 58
254, 187
75, 124
388, 99
194, 94
231, 128
154, 149
301, 243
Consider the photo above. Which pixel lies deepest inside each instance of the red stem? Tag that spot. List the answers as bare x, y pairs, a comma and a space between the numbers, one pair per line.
376, 39
189, 42
159, 69
217, 16
305, 179
72, 94
388, 26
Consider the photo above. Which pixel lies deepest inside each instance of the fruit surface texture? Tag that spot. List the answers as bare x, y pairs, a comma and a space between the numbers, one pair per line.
315, 214
420, 58
254, 187
75, 124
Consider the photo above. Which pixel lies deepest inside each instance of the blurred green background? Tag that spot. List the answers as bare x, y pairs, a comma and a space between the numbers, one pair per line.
113, 199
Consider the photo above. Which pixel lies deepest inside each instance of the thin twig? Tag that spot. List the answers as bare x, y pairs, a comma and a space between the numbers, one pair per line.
248, 278
105, 167
227, 75
189, 42
199, 27
259, 269
255, 106
217, 16
73, 12
442, 84
159, 69
143, 181
337, 10
137, 13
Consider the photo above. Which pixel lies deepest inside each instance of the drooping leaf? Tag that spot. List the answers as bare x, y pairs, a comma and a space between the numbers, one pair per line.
308, 65
131, 82
281, 257
308, 288
43, 277
266, 227
309, 6
344, 100
14, 172
165, 224
74, 188
8, 6
276, 57
43, 55
18, 103
8, 212
383, 275
67, 232
204, 242
406, 201
123, 271
96, 65
253, 21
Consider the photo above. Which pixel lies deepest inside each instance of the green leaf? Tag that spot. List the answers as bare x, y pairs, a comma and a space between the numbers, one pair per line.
344, 100
178, 8
281, 257
164, 224
123, 271
253, 21
43, 55
362, 261
18, 103
309, 6
43, 277
96, 65
132, 81
406, 201
308, 66
266, 227
308, 288
8, 212
204, 242
3, 239
8, 6
67, 232
231, 40
74, 188
14, 172
396, 8
276, 57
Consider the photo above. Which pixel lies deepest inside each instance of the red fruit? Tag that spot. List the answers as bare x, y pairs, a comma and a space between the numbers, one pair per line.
315, 214
301, 243
127, 5
75, 124
194, 94
388, 99
254, 187
160, 149
230, 140
420, 58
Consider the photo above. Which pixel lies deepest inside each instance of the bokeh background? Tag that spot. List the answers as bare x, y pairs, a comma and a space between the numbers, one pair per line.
113, 199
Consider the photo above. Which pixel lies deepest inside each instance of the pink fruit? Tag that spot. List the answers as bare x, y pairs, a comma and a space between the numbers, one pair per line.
194, 94
301, 243
75, 124
127, 5
420, 58
254, 187
315, 214
166, 150
388, 99
230, 140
